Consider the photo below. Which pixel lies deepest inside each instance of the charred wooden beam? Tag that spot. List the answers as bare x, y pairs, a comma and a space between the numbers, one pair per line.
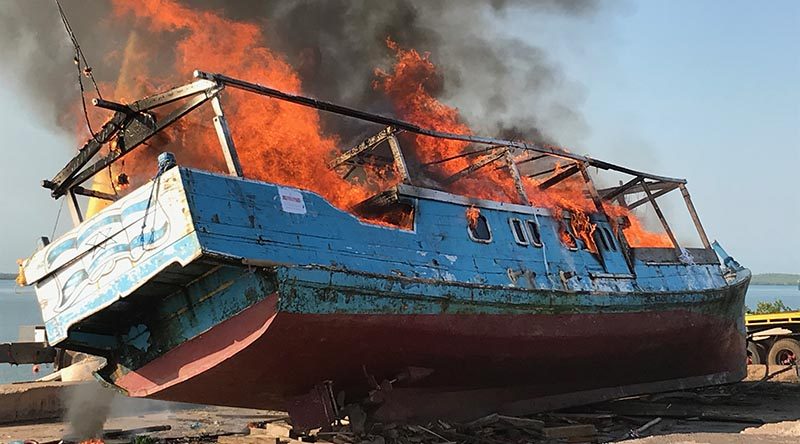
532, 159
652, 199
410, 127
113, 106
512, 169
74, 207
226, 139
567, 172
459, 156
399, 160
648, 190
128, 122
611, 193
547, 171
489, 158
692, 212
88, 192
138, 131
598, 202
366, 144
637, 188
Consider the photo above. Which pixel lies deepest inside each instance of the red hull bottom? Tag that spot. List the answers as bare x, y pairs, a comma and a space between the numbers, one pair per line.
262, 358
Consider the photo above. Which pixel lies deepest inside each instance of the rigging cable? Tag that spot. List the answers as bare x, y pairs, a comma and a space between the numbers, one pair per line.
58, 216
87, 70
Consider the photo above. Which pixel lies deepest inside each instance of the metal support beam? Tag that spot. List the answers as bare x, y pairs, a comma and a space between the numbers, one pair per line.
489, 158
692, 212
660, 215
567, 172
399, 160
646, 186
74, 208
225, 139
512, 168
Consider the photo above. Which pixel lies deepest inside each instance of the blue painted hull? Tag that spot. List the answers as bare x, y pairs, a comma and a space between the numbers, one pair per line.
253, 293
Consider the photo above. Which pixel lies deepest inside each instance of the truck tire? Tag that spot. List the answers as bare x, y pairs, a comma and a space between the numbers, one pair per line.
784, 351
755, 353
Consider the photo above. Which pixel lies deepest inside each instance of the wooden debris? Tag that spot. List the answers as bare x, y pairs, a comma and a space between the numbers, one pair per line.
638, 408
115, 434
274, 429
571, 431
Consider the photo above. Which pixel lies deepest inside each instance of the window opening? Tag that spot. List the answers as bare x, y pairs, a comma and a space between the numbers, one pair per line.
536, 235
477, 226
519, 231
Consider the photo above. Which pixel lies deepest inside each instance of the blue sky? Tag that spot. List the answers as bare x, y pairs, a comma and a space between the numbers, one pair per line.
705, 90
709, 91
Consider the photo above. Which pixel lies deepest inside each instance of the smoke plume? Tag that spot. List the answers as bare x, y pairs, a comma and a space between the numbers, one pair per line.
502, 85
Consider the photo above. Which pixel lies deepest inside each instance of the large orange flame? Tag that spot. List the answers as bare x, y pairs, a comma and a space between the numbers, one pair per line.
276, 141
283, 143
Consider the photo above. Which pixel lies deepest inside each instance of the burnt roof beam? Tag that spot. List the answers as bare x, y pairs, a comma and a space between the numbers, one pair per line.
611, 193
652, 196
410, 127
365, 145
132, 137
567, 172
487, 159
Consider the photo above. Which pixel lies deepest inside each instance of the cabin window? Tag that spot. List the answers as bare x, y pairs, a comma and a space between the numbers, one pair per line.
567, 236
610, 238
519, 231
479, 230
536, 234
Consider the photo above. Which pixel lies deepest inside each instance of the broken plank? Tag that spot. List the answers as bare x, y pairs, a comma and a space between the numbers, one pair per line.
570, 431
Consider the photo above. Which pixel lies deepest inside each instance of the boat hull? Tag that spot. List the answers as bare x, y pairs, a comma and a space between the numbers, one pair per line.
264, 357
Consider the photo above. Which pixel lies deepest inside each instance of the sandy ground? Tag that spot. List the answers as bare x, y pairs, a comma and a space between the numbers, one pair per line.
776, 403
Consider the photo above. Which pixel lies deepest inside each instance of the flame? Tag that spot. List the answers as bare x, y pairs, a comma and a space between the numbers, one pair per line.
276, 141
410, 86
283, 143
472, 214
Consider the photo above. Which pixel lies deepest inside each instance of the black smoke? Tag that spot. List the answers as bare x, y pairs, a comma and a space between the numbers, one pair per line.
335, 45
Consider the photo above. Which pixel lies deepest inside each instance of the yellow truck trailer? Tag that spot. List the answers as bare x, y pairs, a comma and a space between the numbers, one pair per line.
773, 338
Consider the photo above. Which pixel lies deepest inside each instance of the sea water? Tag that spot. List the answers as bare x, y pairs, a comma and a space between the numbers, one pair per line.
18, 307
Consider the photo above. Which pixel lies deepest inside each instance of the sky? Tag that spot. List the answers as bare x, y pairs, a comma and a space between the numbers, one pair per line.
706, 90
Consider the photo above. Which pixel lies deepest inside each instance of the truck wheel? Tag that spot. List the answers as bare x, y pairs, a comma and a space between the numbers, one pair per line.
755, 353
783, 352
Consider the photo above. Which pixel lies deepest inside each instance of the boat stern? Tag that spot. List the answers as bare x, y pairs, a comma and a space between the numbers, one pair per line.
131, 242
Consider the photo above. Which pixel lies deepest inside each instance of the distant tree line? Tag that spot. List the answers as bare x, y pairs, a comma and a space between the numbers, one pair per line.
775, 279
767, 307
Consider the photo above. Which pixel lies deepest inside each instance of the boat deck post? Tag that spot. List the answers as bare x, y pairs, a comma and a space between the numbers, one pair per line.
225, 139
660, 215
696, 219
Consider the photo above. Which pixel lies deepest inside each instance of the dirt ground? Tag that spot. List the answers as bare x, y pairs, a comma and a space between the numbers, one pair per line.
734, 409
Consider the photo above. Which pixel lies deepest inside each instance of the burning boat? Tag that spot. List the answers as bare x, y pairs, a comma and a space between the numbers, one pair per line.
214, 288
